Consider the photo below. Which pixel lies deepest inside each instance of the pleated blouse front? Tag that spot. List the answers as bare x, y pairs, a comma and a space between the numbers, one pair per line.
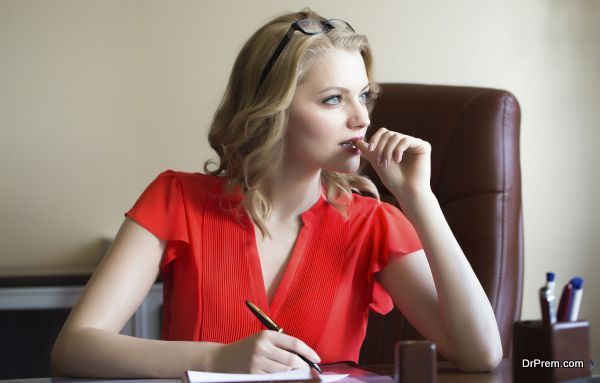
211, 266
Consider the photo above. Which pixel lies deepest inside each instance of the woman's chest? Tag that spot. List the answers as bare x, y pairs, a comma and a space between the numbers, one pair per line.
274, 253
234, 259
295, 275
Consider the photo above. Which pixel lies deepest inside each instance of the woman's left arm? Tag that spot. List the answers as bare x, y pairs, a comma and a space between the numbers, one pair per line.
437, 291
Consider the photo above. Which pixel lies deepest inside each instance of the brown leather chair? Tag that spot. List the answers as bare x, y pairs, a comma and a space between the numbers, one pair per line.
474, 134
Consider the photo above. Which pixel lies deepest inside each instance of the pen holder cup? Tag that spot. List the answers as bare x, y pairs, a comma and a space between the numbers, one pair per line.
550, 352
415, 361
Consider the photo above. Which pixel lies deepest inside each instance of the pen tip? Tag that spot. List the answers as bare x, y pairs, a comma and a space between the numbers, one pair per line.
577, 283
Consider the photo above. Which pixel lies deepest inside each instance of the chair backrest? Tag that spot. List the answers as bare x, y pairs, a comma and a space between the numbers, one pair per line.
474, 133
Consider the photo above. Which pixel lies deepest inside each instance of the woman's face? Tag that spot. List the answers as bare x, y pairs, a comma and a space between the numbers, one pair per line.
328, 109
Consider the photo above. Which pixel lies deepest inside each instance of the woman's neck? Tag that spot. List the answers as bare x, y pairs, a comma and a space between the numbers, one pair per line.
291, 193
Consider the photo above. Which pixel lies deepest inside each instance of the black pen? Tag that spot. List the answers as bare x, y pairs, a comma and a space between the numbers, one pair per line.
268, 322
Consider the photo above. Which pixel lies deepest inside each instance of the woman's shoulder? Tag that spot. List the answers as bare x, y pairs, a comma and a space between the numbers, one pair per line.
190, 184
194, 179
365, 210
375, 216
365, 205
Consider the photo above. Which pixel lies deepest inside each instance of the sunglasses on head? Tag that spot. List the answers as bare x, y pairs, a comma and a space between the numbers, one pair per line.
308, 27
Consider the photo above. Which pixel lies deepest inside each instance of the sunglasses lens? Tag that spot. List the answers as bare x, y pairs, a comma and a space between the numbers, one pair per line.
340, 24
312, 26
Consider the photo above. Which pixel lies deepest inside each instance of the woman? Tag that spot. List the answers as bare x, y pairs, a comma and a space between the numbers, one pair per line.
277, 223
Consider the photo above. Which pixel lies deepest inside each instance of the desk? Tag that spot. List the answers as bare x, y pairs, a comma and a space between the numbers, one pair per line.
449, 374
446, 374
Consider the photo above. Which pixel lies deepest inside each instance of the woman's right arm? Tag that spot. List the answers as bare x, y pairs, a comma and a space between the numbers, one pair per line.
89, 345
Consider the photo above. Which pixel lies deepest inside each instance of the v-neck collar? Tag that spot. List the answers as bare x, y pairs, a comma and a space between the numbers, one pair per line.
259, 292
292, 266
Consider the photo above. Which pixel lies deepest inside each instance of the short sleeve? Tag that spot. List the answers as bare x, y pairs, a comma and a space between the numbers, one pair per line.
391, 235
161, 209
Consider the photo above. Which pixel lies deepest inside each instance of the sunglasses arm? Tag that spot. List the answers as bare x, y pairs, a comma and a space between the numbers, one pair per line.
276, 54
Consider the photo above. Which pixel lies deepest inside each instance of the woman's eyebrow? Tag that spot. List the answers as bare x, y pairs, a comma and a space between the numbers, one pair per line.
340, 88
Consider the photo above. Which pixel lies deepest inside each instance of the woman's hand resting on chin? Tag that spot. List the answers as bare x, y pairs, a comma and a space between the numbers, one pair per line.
402, 162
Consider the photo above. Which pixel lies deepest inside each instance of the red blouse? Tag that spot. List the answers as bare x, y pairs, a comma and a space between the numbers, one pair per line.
211, 266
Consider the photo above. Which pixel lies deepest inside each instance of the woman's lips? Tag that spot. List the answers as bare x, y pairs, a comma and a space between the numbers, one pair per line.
351, 143
350, 146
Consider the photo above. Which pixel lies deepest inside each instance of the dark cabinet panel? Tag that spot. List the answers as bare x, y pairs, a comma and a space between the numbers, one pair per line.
27, 339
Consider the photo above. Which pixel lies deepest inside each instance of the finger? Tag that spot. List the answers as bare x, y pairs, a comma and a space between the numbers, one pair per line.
286, 358
295, 345
400, 148
363, 146
417, 145
420, 146
390, 146
375, 138
268, 365
267, 356
381, 146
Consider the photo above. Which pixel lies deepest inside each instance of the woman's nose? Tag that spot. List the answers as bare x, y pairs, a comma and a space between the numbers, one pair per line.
359, 118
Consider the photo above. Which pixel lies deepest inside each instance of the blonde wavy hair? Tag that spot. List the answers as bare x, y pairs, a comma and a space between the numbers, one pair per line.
249, 126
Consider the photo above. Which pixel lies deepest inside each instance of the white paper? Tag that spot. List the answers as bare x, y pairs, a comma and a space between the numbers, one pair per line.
331, 377
296, 374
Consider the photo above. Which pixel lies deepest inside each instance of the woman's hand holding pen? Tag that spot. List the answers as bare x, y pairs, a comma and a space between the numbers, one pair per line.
264, 352
402, 162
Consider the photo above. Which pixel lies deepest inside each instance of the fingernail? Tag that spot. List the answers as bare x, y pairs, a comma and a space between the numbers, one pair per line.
317, 359
379, 160
371, 147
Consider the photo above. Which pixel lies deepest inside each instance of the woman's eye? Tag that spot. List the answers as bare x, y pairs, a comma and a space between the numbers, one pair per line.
333, 100
365, 96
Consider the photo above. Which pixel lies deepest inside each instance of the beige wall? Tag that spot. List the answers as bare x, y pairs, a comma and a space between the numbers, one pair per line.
98, 97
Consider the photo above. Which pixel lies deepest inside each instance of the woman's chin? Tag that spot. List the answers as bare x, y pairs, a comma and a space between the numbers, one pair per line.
350, 167
348, 171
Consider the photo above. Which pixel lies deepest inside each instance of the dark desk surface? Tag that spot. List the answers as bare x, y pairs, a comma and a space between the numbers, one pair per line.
449, 374
446, 374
